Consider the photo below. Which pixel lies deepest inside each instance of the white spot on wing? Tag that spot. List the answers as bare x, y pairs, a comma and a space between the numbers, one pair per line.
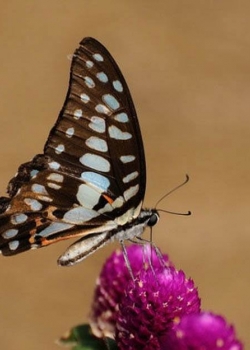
44, 198
97, 144
84, 98
77, 113
98, 57
18, 218
89, 64
33, 173
55, 177
117, 134
54, 165
125, 218
97, 124
100, 108
54, 186
95, 162
87, 196
70, 132
59, 149
130, 177
89, 82
33, 203
10, 233
102, 77
13, 245
40, 189
100, 181
127, 159
130, 192
79, 215
111, 101
54, 228
121, 117
117, 85
118, 203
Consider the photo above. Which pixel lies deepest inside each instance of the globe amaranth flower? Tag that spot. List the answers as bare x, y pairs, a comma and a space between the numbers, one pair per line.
150, 305
204, 330
113, 280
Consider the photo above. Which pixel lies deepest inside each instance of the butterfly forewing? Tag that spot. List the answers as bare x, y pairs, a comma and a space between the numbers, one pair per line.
93, 167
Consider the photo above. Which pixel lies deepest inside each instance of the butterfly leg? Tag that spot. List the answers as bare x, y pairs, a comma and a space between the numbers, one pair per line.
125, 254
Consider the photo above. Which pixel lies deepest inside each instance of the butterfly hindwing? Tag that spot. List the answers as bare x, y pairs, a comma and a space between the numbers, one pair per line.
91, 177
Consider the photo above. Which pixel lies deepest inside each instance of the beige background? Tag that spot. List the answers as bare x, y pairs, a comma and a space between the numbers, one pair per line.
188, 66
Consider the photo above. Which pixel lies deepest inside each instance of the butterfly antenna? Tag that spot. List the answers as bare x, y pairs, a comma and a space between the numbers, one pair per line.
173, 190
174, 213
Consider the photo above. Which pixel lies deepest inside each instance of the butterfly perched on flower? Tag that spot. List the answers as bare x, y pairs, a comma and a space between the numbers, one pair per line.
90, 180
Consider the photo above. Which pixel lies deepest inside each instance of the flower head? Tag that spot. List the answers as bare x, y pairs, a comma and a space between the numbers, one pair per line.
204, 330
113, 280
150, 305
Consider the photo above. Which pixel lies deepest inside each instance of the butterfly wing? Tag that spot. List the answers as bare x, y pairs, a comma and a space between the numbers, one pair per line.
91, 177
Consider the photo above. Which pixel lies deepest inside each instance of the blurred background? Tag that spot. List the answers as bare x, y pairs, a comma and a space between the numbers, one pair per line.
187, 64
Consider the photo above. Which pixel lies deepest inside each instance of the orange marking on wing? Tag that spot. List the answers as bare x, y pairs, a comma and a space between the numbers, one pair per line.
108, 199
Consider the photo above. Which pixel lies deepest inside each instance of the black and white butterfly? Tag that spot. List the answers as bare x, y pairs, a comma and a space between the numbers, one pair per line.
90, 181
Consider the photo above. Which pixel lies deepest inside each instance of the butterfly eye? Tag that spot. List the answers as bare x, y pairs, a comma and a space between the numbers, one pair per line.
153, 219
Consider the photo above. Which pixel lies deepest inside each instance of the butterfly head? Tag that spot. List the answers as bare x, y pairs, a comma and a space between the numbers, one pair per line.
149, 216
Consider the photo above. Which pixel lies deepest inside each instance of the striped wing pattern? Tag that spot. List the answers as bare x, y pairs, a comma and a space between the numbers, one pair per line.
91, 177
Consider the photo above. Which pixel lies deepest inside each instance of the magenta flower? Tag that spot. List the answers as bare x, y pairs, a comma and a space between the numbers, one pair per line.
113, 279
204, 330
157, 310
150, 305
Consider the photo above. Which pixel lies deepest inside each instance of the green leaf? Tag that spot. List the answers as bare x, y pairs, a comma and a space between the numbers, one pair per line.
81, 338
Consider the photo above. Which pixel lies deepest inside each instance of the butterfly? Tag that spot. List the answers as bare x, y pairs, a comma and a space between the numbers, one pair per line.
90, 180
